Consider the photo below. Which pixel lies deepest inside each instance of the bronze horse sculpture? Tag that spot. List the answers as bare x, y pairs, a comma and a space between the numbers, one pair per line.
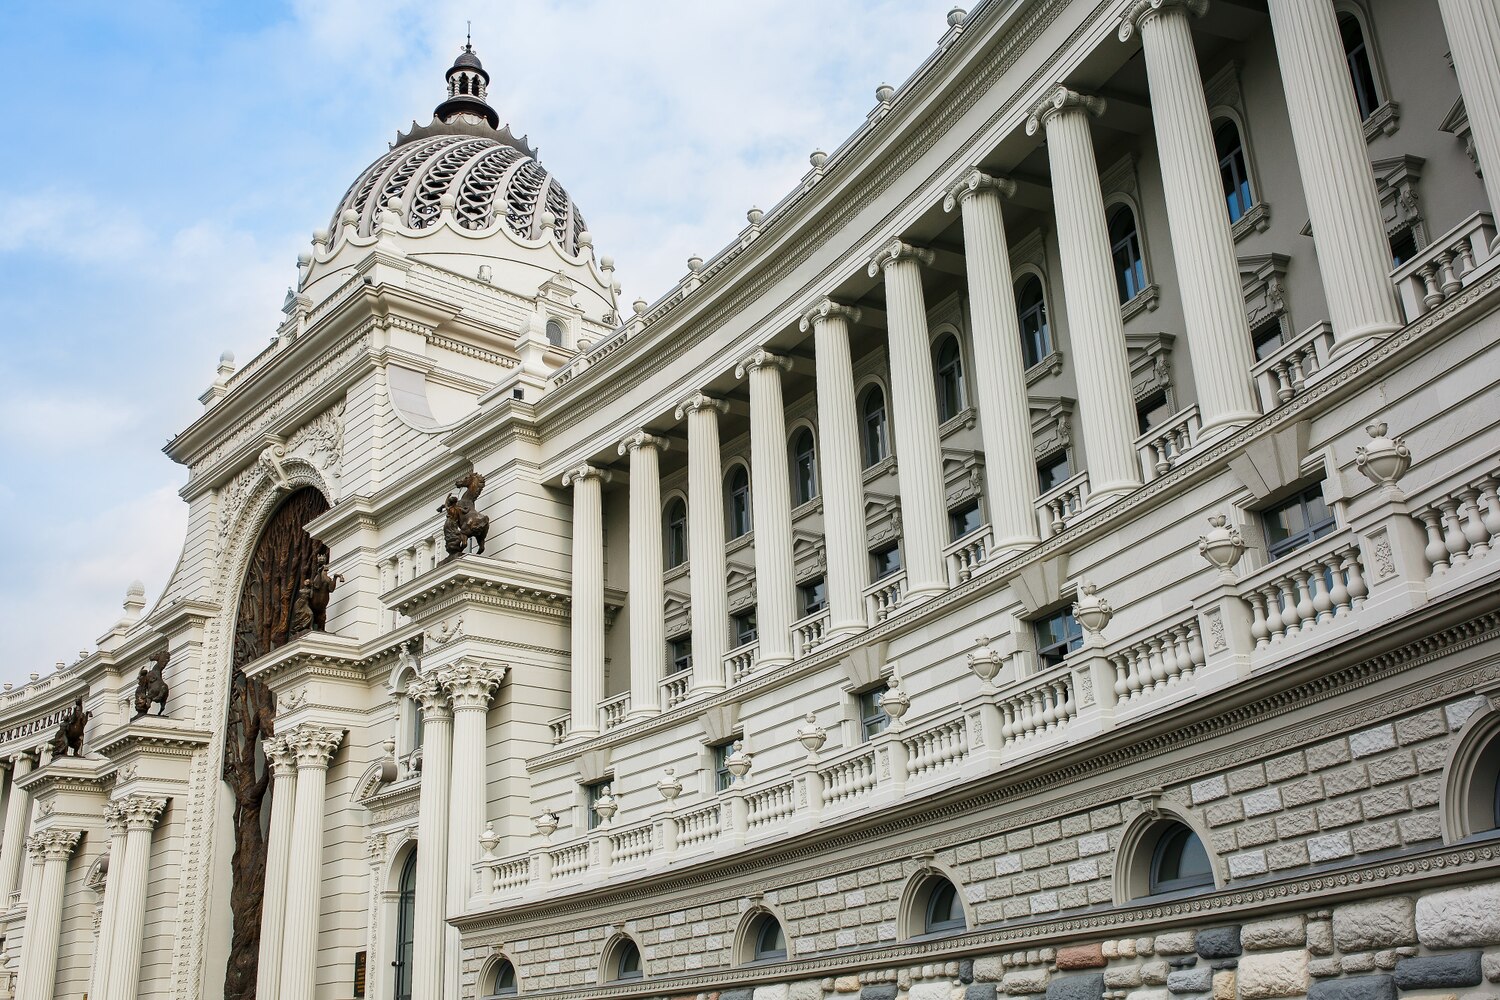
463, 521
69, 738
150, 686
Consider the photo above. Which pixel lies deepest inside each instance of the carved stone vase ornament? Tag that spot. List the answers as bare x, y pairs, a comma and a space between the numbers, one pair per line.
894, 702
605, 805
488, 840
738, 761
985, 661
669, 786
150, 687
462, 520
1222, 546
546, 824
812, 736
69, 738
1092, 611
1385, 459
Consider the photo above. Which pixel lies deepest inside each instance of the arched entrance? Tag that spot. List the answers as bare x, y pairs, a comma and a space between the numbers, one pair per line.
284, 555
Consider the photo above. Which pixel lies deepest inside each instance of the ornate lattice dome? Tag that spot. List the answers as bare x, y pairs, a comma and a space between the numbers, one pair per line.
493, 177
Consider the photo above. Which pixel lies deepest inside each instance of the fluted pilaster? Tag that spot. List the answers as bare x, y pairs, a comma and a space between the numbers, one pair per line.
429, 936
141, 813
1208, 275
1101, 365
706, 561
919, 454
17, 816
283, 763
1000, 376
588, 596
648, 639
314, 749
839, 452
50, 850
771, 494
1353, 254
114, 822
1473, 28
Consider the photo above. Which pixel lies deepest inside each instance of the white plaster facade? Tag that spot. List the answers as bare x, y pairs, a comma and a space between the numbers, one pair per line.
613, 782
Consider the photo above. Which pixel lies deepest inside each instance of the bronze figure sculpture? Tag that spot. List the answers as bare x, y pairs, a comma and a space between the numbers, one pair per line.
302, 610
150, 686
454, 539
463, 520
322, 585
69, 736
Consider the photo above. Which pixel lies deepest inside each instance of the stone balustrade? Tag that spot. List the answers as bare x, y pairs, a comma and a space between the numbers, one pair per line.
771, 804
1282, 374
1057, 508
740, 662
1166, 659
1043, 704
633, 844
1294, 596
1161, 447
1461, 523
675, 688
968, 555
613, 711
850, 778
883, 597
1446, 266
561, 728
809, 632
700, 826
937, 748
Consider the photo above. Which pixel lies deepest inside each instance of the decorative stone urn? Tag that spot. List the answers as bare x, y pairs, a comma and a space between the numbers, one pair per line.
1385, 459
1222, 546
812, 736
738, 761
985, 661
546, 824
1092, 611
894, 702
488, 840
605, 805
669, 786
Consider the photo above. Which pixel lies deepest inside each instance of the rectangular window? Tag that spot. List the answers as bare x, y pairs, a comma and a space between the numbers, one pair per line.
1297, 522
1053, 471
872, 718
743, 627
812, 596
962, 520
1267, 338
1403, 246
1151, 411
1057, 635
595, 791
680, 653
722, 776
885, 561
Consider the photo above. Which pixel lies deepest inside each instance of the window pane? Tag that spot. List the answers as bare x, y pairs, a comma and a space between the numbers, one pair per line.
1057, 635
1152, 411
1053, 471
1032, 314
812, 596
1361, 73
1125, 245
885, 561
963, 520
872, 717
875, 443
1267, 338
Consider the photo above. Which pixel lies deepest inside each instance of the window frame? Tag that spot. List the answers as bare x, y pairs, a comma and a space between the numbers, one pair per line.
593, 791
1051, 459
719, 755
1376, 98
803, 465
1055, 652
948, 376
1040, 339
1158, 886
1236, 162
405, 961
870, 715
620, 950
889, 548
676, 656
955, 526
1310, 532
733, 494
553, 323
496, 989
874, 426
765, 922
949, 924
674, 533
1130, 243
736, 620
807, 607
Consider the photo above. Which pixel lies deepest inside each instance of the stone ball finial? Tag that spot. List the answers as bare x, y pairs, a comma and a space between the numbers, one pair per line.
547, 219
884, 93
348, 217
817, 158
447, 201
695, 263
304, 259
226, 357
639, 305
585, 240
320, 237
606, 263
957, 16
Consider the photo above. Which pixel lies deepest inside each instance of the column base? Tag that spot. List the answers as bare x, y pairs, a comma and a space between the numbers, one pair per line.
580, 736
766, 662
1004, 549
642, 713
1108, 494
1357, 342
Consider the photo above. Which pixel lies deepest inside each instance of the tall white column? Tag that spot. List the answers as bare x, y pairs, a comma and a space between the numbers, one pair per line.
51, 849
648, 635
1102, 368
430, 916
17, 816
1473, 28
1000, 376
114, 820
771, 496
1212, 304
469, 686
283, 761
840, 474
919, 452
1353, 254
588, 597
314, 748
141, 813
707, 566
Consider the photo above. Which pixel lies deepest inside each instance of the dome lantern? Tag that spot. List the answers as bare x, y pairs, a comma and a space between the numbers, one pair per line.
468, 89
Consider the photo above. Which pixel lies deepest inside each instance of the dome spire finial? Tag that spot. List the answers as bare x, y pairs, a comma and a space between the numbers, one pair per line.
468, 86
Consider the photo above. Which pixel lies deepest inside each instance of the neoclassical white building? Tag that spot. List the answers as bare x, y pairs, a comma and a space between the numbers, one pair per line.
1051, 552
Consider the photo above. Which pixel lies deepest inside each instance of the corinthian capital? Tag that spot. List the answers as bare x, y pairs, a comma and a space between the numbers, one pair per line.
283, 759
429, 693
142, 811
469, 685
762, 358
828, 309
584, 473
114, 817
897, 250
975, 182
1141, 11
641, 439
1059, 100
313, 745
53, 845
701, 401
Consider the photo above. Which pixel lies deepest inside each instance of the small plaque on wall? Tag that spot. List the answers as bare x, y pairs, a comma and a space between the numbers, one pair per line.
359, 975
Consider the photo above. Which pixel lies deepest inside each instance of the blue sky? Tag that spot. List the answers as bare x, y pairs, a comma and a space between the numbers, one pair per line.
165, 162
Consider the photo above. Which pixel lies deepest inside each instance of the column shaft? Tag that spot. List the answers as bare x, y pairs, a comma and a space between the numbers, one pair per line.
99, 981
278, 860
469, 687
44, 913
430, 916
1102, 368
1353, 254
771, 495
1000, 369
919, 454
1473, 28
842, 481
299, 953
141, 815
13, 844
648, 639
588, 598
1212, 304
706, 560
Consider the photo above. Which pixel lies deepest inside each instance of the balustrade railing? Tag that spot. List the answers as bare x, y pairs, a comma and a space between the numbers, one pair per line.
883, 597
612, 712
772, 804
1161, 447
634, 844
701, 826
965, 556
510, 873
849, 778
571, 859
1056, 508
1445, 266
1042, 705
561, 729
1157, 662
1462, 524
740, 662
675, 688
1283, 374
808, 632
1306, 589
936, 748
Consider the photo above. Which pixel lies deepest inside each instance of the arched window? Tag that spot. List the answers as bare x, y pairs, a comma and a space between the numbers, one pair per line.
674, 533
948, 370
1232, 171
1125, 246
945, 911
1179, 861
503, 982
875, 439
804, 467
737, 501
768, 943
406, 915
554, 333
1031, 310
627, 961
1361, 72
